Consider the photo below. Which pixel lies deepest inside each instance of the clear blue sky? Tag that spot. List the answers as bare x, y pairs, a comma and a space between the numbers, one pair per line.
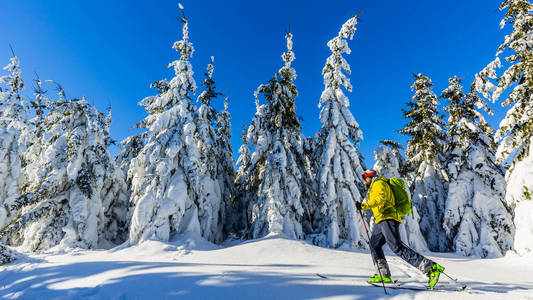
110, 51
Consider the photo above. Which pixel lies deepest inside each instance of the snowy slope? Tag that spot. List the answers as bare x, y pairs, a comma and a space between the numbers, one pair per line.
270, 268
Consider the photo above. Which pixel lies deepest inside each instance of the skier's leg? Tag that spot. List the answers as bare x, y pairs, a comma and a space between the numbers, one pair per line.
377, 240
391, 232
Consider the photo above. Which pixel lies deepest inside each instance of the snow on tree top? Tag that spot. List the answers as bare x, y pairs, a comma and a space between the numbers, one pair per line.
184, 46
288, 56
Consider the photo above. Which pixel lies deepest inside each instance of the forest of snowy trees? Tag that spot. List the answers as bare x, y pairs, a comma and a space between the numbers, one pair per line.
471, 185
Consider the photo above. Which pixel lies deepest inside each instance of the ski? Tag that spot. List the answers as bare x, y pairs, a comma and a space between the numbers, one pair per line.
397, 285
321, 276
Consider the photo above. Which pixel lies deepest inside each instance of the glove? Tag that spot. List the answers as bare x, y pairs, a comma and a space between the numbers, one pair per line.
358, 205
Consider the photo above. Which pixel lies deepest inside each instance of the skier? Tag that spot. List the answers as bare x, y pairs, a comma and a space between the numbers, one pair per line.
386, 230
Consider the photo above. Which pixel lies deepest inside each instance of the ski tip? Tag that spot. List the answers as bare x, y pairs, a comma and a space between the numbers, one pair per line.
396, 282
462, 288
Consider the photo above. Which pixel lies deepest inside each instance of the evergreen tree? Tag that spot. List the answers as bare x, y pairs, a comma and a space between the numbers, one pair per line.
41, 106
476, 218
67, 191
425, 160
13, 126
279, 174
226, 167
209, 201
338, 162
389, 162
245, 185
516, 129
130, 147
166, 173
115, 194
13, 105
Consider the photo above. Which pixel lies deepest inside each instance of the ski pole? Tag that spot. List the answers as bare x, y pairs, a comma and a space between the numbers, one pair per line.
364, 224
454, 279
368, 236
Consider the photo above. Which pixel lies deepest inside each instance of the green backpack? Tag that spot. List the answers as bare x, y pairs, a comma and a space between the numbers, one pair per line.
401, 196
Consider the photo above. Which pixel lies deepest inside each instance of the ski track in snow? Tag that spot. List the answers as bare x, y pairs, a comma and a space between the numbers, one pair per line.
270, 268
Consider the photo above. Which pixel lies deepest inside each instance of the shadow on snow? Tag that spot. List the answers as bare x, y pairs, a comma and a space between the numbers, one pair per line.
154, 280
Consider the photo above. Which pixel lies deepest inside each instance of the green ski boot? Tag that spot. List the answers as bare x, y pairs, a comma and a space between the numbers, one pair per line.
434, 274
379, 279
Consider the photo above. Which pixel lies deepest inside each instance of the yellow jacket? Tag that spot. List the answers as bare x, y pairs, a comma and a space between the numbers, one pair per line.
381, 201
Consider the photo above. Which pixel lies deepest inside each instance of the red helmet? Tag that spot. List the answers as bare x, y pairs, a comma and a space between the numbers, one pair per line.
369, 173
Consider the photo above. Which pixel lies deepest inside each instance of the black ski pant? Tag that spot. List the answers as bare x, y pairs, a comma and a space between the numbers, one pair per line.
388, 231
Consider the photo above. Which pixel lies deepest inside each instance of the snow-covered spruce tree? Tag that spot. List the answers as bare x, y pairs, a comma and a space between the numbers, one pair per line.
389, 162
34, 148
425, 159
115, 194
245, 186
13, 126
225, 168
129, 149
278, 171
476, 218
209, 194
41, 106
516, 129
165, 173
338, 161
67, 193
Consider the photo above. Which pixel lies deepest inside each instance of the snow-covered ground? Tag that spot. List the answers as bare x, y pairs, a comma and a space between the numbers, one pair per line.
270, 268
